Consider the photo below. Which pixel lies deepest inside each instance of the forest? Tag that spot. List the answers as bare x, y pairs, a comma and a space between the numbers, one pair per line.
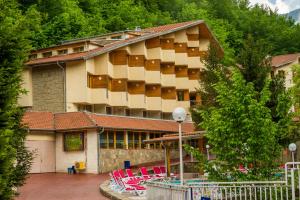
248, 34
230, 20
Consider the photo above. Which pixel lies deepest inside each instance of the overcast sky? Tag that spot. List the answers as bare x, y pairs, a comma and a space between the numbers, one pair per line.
283, 6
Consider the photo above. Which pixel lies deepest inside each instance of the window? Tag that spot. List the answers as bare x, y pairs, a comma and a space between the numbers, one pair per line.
73, 141
88, 108
117, 37
119, 140
281, 73
127, 112
143, 137
103, 140
47, 54
130, 140
180, 95
78, 49
108, 110
111, 137
33, 56
155, 145
137, 140
62, 51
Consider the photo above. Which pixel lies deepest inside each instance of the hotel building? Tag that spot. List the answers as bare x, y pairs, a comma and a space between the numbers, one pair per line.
135, 76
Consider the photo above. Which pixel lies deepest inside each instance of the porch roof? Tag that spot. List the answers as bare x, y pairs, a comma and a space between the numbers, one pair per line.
175, 137
84, 120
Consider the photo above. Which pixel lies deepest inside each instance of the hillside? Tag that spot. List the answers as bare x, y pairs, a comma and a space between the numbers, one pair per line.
295, 14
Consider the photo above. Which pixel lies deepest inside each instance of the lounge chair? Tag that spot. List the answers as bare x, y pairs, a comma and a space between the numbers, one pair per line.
129, 186
158, 172
164, 172
145, 174
132, 176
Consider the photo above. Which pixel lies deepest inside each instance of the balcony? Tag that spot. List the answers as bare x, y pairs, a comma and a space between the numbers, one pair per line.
168, 55
97, 95
136, 101
152, 77
154, 53
168, 80
193, 85
136, 73
181, 59
182, 83
118, 98
168, 105
184, 104
120, 71
195, 62
153, 103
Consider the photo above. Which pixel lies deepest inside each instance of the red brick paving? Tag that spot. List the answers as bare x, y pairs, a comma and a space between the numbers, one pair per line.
59, 186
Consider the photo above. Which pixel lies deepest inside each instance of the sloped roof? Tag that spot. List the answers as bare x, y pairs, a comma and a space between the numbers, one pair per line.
39, 120
175, 137
84, 120
278, 61
145, 34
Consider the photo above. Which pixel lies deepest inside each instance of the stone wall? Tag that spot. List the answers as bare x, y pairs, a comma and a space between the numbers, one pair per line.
111, 159
48, 88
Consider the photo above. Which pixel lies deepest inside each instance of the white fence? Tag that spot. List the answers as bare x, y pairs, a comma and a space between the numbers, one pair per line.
285, 189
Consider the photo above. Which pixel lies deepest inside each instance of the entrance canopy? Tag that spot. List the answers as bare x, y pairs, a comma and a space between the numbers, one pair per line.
169, 138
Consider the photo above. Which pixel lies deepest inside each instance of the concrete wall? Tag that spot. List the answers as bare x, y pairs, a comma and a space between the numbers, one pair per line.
48, 88
111, 159
67, 159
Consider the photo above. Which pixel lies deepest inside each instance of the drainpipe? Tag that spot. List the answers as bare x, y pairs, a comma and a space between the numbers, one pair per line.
64, 80
98, 148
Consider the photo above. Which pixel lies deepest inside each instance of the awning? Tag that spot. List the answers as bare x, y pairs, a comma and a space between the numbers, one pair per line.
175, 137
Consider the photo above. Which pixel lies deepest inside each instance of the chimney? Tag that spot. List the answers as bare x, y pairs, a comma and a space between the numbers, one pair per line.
138, 28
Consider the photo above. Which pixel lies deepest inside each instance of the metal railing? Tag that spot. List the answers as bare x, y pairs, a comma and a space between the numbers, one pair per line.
248, 190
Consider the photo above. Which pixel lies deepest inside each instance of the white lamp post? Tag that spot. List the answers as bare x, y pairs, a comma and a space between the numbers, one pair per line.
207, 150
179, 116
293, 148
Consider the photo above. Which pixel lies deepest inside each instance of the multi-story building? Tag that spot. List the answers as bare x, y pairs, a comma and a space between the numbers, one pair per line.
139, 74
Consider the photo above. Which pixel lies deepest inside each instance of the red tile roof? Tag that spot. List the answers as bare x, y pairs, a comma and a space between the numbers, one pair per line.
168, 27
280, 60
148, 33
83, 120
73, 120
132, 123
39, 120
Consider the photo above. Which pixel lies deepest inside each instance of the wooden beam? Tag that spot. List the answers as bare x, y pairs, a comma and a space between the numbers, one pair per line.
168, 158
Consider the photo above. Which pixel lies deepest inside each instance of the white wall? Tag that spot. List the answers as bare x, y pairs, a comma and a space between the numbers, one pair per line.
89, 155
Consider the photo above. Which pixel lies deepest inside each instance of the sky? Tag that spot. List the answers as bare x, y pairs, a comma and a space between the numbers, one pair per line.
283, 6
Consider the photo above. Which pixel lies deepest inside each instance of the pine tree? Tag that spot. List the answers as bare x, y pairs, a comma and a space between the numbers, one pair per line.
14, 47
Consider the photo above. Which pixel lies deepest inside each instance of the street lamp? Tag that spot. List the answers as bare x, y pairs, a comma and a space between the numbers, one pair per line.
207, 150
179, 116
293, 148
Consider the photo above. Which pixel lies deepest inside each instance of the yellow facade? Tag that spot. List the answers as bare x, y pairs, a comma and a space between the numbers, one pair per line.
125, 65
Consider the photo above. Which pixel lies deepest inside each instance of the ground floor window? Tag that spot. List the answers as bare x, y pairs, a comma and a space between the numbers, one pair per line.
155, 145
135, 140
111, 139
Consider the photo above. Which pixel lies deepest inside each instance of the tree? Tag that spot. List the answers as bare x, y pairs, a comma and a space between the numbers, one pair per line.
241, 130
208, 78
14, 47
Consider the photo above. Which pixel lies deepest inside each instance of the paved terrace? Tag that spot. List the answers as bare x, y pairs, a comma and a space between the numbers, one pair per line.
60, 186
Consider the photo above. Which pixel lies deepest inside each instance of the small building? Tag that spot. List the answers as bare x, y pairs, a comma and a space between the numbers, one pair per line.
282, 64
102, 142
